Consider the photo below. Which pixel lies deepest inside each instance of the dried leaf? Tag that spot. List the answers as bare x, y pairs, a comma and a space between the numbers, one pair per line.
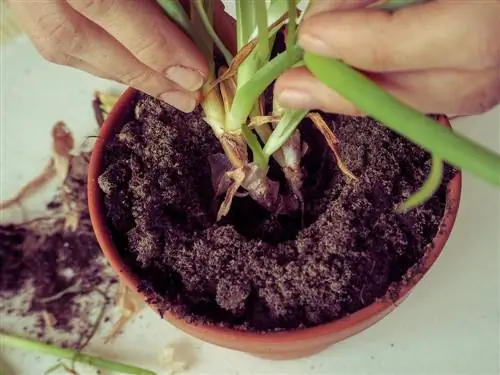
219, 166
238, 176
227, 89
48, 173
129, 305
166, 359
63, 143
48, 319
257, 121
331, 140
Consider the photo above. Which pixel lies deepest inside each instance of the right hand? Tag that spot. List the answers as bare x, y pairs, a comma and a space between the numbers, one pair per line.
131, 42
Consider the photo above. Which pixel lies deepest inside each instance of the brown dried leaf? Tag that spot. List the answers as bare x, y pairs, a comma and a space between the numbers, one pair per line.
129, 304
331, 140
227, 89
219, 166
257, 121
48, 319
63, 143
238, 176
48, 173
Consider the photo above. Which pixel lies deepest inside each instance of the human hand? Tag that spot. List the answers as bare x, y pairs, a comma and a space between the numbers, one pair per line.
439, 57
132, 42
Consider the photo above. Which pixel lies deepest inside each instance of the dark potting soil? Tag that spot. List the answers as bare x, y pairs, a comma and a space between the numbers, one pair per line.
53, 269
253, 270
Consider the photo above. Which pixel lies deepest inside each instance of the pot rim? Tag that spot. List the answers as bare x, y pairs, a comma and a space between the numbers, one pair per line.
395, 294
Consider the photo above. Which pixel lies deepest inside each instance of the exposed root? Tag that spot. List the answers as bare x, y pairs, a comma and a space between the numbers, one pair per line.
332, 142
75, 288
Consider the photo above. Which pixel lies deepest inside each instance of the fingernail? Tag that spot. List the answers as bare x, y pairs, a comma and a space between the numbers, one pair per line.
314, 44
188, 79
292, 98
183, 101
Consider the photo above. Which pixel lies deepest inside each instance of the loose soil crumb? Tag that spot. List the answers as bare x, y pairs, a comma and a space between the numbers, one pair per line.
253, 270
47, 270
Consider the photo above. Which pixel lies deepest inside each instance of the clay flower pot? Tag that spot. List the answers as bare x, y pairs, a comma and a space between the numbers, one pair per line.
281, 345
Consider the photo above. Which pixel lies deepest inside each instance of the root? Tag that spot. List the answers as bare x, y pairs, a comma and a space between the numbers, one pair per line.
332, 142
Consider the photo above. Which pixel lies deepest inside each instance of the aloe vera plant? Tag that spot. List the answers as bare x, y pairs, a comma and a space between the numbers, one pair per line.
233, 106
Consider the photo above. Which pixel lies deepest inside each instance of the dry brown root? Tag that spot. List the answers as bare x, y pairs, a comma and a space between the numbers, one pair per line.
58, 165
332, 141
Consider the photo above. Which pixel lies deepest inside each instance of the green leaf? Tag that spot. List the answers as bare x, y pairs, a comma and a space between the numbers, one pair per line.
285, 128
440, 141
246, 96
428, 188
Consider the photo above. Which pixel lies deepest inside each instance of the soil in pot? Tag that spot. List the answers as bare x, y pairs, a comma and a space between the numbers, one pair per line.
254, 270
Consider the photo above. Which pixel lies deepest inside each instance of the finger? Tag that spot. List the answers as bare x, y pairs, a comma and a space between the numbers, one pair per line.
144, 29
80, 64
448, 92
60, 31
336, 5
437, 34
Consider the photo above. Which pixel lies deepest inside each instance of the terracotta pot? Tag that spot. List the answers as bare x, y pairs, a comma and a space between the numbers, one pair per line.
283, 345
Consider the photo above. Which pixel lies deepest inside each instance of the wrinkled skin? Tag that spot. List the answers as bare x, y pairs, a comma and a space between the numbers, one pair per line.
132, 42
439, 57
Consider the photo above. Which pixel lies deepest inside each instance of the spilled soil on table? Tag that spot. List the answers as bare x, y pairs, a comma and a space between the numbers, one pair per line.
52, 268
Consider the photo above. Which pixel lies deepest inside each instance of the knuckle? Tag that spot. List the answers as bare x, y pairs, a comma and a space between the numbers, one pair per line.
146, 49
136, 79
58, 35
52, 55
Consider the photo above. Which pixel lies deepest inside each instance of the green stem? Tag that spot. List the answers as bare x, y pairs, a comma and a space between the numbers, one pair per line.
245, 22
259, 157
404, 120
211, 31
284, 130
40, 347
261, 17
292, 23
247, 95
428, 188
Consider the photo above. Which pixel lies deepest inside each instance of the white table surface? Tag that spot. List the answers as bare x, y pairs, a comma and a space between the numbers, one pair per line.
448, 325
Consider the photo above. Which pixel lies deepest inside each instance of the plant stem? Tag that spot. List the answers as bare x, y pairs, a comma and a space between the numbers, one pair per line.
284, 130
261, 17
404, 120
210, 30
40, 347
247, 96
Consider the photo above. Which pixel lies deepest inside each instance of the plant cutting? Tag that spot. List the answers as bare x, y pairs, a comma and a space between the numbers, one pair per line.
247, 223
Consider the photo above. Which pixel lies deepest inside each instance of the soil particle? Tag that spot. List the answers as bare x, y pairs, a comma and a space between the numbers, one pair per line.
48, 270
254, 270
